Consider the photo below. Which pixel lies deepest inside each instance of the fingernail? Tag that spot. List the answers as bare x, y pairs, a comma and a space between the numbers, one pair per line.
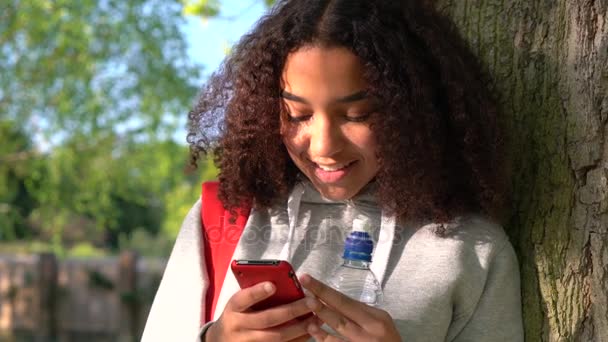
268, 287
311, 303
312, 328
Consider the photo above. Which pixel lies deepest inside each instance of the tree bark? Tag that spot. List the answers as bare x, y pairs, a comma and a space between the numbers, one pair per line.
549, 61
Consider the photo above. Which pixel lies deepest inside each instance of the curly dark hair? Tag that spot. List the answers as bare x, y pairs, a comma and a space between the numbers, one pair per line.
440, 147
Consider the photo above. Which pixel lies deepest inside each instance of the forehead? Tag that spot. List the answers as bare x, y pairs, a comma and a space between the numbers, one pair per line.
322, 73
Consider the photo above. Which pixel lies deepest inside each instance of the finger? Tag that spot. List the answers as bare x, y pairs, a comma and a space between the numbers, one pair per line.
245, 298
320, 335
288, 332
355, 310
279, 314
340, 323
316, 332
302, 338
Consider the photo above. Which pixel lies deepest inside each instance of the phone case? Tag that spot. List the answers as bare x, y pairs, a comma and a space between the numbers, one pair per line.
279, 272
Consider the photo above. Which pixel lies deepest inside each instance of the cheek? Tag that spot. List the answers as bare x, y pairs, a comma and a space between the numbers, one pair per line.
364, 139
294, 140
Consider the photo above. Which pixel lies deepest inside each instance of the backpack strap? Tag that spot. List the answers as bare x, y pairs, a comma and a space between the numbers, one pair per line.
220, 238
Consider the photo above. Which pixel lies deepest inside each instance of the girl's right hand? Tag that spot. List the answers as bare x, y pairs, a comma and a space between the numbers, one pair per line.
239, 323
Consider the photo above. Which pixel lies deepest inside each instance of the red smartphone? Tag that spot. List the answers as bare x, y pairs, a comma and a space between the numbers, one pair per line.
279, 272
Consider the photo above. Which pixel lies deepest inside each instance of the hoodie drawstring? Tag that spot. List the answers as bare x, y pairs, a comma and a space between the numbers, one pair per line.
382, 250
293, 208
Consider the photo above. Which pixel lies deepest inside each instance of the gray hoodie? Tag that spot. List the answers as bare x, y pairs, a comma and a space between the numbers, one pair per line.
460, 287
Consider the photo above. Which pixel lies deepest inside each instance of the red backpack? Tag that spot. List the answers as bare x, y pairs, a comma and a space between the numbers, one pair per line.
220, 238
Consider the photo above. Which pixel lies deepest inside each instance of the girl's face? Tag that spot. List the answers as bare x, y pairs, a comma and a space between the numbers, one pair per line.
326, 129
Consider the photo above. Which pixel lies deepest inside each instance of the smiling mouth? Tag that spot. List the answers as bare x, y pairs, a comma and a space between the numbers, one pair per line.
332, 173
334, 167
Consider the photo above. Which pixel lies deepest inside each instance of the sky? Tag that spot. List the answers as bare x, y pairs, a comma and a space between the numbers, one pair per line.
208, 40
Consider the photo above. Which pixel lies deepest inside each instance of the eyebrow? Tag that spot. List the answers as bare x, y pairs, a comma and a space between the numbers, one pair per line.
360, 95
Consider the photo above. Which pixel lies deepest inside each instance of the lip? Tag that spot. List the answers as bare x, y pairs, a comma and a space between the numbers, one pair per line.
329, 177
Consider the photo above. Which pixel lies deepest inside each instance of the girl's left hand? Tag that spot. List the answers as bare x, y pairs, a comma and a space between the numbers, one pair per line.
352, 319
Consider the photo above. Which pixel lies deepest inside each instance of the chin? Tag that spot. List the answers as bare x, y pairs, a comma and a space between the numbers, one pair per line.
336, 197
336, 194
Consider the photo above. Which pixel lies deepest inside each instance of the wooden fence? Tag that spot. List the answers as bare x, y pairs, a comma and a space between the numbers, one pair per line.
46, 299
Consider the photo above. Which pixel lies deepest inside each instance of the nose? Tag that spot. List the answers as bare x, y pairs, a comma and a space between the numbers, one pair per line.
326, 138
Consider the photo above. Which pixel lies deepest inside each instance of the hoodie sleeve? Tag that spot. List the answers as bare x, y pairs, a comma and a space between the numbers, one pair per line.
497, 316
176, 310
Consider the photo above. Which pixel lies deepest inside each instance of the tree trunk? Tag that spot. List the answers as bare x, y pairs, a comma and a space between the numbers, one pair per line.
549, 60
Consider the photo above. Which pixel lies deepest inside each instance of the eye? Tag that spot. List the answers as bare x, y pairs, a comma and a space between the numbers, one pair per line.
358, 117
298, 117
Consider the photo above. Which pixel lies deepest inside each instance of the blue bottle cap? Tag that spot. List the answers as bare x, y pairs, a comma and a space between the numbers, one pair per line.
358, 246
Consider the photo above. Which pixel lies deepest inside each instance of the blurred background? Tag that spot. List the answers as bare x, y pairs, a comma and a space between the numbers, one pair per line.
94, 97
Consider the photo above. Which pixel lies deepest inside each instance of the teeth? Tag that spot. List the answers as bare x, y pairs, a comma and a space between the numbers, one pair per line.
331, 168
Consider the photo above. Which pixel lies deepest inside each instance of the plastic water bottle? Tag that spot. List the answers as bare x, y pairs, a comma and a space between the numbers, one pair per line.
354, 277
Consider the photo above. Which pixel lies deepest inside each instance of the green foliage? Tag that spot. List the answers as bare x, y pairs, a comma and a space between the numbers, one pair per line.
112, 195
16, 163
209, 8
86, 67
145, 243
90, 94
202, 8
85, 250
